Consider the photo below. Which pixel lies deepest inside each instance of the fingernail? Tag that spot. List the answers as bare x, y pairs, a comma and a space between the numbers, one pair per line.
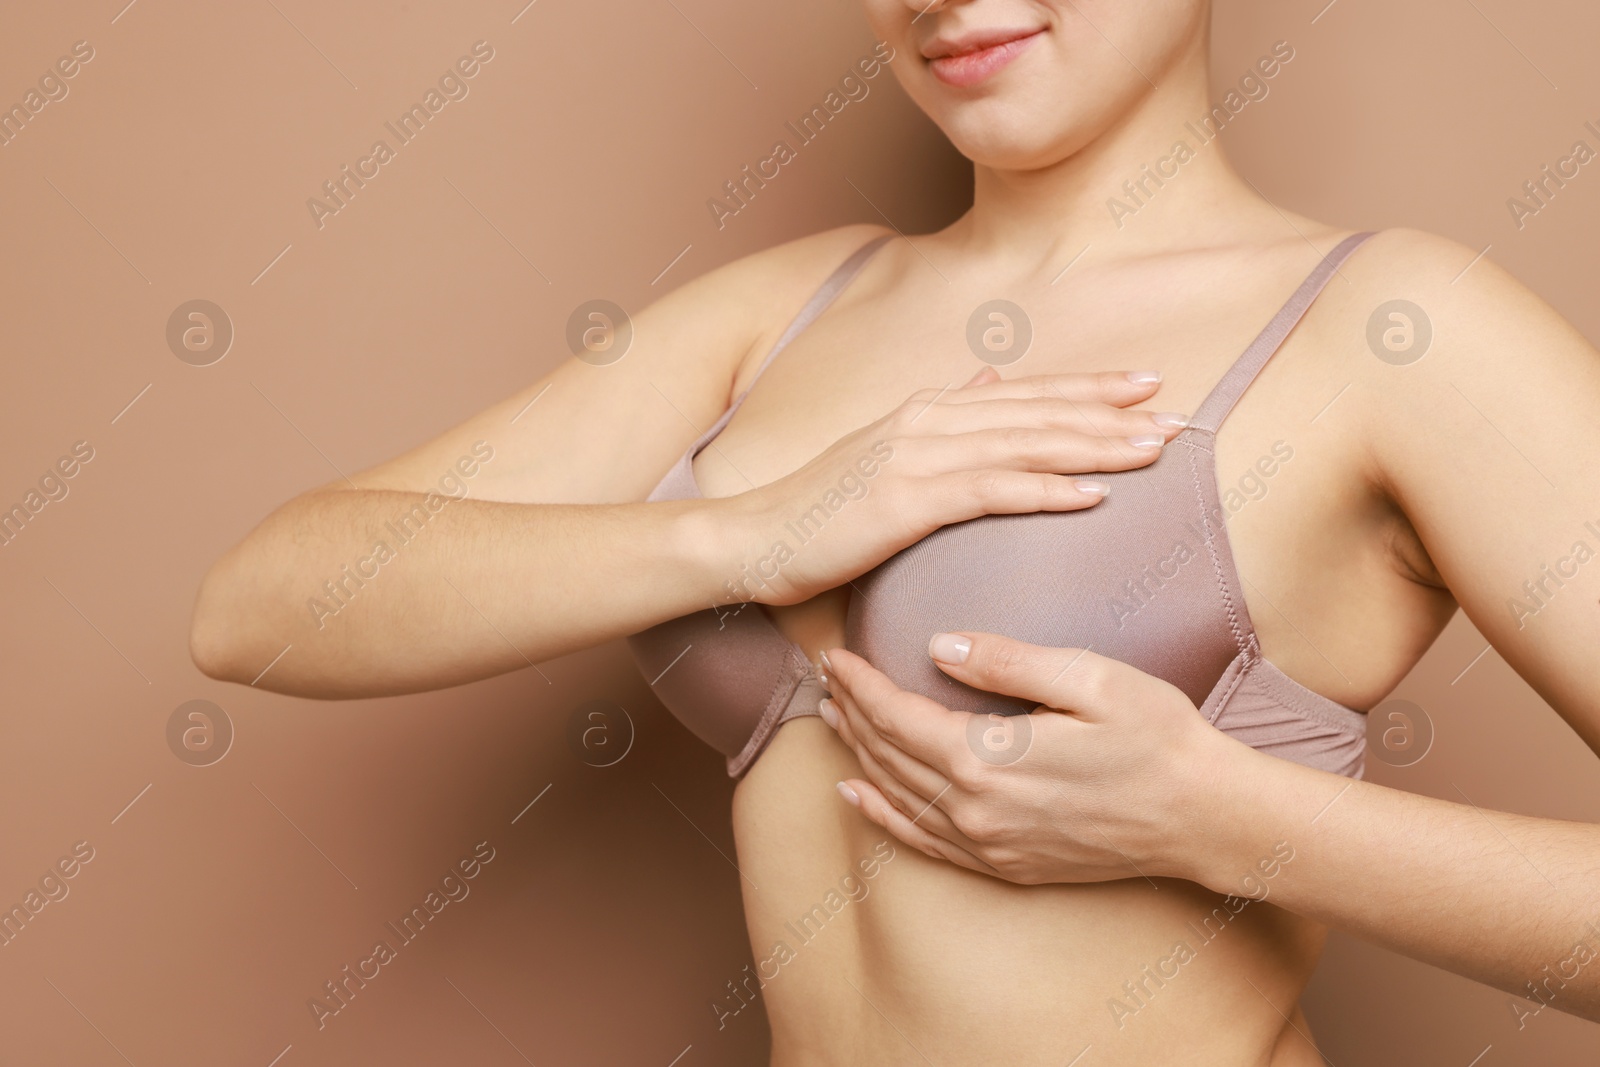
823, 655
849, 794
949, 648
830, 712
1147, 440
1170, 419
1144, 377
1094, 487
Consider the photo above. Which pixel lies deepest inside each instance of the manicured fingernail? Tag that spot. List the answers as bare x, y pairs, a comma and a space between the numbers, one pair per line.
949, 648
824, 657
1147, 440
830, 712
849, 794
1090, 486
1170, 419
1144, 377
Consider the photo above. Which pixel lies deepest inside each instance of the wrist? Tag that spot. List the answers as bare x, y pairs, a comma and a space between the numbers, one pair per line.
1265, 811
714, 535
1225, 813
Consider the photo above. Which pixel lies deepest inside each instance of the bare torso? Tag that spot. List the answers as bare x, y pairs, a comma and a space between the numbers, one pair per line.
922, 961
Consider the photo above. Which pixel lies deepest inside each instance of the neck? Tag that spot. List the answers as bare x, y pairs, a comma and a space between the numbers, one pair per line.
1155, 180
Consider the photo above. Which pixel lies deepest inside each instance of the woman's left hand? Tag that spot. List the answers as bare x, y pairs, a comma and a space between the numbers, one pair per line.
1105, 780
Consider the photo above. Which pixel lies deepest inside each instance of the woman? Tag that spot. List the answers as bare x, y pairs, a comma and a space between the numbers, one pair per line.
1375, 528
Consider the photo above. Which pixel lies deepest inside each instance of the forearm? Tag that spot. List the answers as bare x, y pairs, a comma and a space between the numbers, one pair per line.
1508, 900
371, 593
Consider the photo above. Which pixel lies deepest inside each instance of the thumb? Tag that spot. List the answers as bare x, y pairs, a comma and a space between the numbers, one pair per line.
1067, 679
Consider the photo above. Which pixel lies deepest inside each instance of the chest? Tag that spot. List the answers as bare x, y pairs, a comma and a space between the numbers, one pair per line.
900, 330
1288, 488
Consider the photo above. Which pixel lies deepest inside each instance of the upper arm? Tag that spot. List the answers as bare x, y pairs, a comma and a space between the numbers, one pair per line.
1490, 445
606, 434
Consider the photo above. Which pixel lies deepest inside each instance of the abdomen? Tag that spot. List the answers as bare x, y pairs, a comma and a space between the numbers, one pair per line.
921, 958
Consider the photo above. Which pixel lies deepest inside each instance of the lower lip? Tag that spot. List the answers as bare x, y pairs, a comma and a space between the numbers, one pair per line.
970, 69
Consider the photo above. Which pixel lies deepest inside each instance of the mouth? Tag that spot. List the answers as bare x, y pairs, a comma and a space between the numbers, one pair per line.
967, 62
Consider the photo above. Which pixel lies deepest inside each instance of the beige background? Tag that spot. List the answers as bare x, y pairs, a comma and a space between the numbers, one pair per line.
178, 168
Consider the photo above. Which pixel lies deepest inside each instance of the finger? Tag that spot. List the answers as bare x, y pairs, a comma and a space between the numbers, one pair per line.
834, 715
877, 809
921, 810
963, 495
1117, 388
1029, 448
856, 727
983, 377
1091, 419
1073, 680
923, 729
911, 800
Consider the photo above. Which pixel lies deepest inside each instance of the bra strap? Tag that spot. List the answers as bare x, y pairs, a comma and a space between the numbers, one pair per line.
1233, 384
829, 291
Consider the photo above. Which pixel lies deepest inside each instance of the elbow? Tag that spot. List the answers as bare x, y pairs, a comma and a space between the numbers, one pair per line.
209, 651
213, 636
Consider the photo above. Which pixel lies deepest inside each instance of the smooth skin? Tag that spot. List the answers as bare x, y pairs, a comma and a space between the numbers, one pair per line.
1127, 780
553, 551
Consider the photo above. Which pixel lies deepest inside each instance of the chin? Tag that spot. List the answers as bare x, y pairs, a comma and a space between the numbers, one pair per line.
1025, 125
1004, 138
1030, 115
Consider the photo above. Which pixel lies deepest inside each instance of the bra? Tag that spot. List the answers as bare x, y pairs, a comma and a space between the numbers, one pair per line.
1146, 576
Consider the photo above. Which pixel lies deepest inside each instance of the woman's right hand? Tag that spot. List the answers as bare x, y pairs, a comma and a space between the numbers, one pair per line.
991, 447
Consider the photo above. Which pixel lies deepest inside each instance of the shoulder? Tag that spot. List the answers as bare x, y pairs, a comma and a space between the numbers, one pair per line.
808, 259
782, 277
1417, 309
709, 330
766, 289
1469, 300
1454, 363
